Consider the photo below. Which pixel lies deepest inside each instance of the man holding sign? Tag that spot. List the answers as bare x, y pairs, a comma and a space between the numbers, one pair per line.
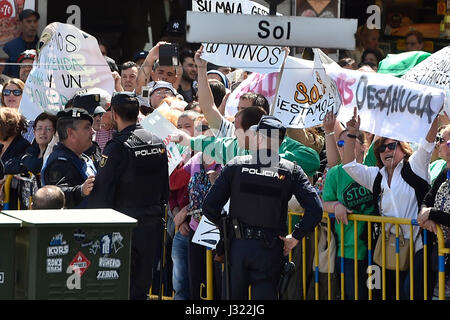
133, 178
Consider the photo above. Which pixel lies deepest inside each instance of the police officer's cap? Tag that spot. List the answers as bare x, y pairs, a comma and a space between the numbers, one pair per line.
124, 97
90, 102
75, 113
268, 124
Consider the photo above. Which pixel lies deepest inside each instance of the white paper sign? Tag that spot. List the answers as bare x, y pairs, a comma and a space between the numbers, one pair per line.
157, 124
207, 234
305, 94
265, 84
388, 106
434, 71
69, 61
254, 58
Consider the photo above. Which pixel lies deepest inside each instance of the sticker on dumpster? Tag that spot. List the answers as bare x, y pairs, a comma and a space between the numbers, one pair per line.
106, 245
107, 275
80, 263
94, 247
57, 247
79, 235
116, 241
2, 277
108, 262
54, 265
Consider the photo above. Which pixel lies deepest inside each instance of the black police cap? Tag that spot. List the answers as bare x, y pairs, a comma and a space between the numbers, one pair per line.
124, 97
268, 124
88, 101
74, 113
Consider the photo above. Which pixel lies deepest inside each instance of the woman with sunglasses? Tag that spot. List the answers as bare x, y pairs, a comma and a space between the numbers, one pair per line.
397, 198
342, 195
12, 93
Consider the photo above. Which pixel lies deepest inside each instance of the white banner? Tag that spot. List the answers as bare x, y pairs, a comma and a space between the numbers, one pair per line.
261, 59
305, 94
434, 71
69, 61
157, 124
265, 84
388, 106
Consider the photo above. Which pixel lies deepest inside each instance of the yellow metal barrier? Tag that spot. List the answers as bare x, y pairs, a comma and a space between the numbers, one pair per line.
370, 220
7, 192
357, 219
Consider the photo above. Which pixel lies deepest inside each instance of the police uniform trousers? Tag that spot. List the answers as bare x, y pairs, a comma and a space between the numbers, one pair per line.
254, 263
145, 252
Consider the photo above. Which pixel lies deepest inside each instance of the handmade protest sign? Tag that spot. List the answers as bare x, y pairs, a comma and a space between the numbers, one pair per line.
254, 58
69, 61
157, 124
435, 72
388, 106
305, 94
264, 84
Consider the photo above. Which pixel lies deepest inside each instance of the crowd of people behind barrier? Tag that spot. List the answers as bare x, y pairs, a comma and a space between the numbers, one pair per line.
350, 169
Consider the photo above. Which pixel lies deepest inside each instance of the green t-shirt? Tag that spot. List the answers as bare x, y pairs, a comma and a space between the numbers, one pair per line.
436, 168
339, 186
223, 149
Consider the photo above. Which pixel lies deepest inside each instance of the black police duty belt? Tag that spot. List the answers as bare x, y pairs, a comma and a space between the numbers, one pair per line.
243, 231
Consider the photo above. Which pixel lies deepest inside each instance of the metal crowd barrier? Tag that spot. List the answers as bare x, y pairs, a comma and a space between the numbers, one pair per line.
370, 220
356, 218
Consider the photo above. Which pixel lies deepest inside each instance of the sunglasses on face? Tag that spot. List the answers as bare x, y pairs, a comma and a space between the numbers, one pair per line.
390, 146
16, 92
440, 139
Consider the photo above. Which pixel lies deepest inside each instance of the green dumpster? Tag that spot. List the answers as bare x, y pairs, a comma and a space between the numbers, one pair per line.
8, 229
73, 254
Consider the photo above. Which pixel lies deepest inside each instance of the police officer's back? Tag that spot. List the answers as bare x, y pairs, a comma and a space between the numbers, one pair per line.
133, 178
259, 187
67, 167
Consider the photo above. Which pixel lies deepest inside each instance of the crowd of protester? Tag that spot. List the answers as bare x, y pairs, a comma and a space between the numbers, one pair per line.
337, 157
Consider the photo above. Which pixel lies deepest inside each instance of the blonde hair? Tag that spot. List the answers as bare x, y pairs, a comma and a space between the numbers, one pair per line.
174, 103
171, 115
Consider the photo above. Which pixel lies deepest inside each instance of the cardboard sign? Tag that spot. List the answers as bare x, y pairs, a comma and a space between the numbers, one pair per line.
157, 124
388, 106
69, 61
305, 94
254, 58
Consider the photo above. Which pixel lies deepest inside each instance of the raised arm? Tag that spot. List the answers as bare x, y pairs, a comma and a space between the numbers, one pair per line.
205, 96
329, 122
145, 71
349, 146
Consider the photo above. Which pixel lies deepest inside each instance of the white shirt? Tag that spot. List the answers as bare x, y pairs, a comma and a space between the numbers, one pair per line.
399, 199
226, 129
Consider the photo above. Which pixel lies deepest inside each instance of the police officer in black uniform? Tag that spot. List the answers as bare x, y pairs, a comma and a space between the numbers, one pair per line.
91, 103
67, 167
259, 187
133, 178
